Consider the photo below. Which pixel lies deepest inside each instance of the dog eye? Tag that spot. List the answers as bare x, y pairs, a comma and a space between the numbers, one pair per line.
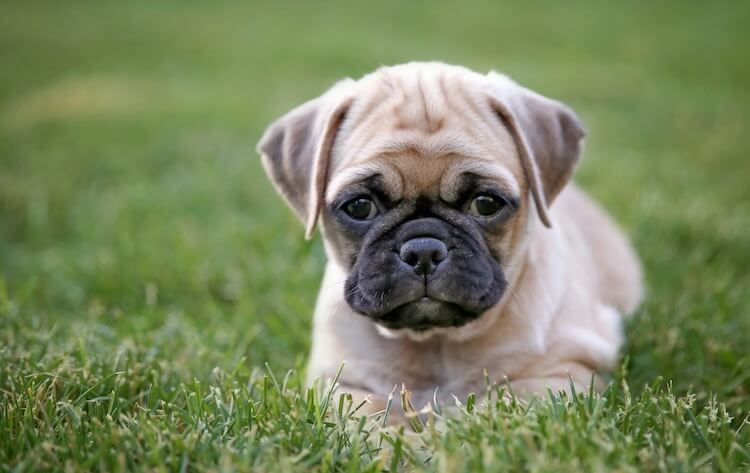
486, 205
361, 209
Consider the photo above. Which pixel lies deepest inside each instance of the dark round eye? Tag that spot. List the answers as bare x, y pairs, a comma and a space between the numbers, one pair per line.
486, 205
361, 209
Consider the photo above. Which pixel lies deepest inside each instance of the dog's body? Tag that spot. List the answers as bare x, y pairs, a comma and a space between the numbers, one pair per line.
561, 319
425, 178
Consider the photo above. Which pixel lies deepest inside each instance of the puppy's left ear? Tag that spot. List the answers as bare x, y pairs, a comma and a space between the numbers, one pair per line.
548, 136
296, 151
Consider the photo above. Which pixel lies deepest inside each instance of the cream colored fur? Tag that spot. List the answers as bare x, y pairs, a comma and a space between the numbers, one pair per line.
569, 285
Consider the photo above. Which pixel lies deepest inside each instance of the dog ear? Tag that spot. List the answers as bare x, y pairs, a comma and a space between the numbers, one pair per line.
296, 150
548, 135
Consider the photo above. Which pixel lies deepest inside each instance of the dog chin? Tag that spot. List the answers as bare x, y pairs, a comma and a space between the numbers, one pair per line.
426, 313
411, 334
462, 333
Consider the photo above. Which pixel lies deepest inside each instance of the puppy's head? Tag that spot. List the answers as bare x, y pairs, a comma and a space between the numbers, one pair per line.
424, 176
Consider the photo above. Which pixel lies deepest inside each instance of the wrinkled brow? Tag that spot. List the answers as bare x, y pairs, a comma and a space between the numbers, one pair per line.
373, 185
390, 182
454, 180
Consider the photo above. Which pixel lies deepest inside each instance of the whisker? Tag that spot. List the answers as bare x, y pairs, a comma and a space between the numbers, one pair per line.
334, 283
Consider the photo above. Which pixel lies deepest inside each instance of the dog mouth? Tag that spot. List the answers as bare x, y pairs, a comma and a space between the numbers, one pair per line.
426, 313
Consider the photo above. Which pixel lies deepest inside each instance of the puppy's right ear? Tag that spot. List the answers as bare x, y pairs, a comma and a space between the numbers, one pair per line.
296, 152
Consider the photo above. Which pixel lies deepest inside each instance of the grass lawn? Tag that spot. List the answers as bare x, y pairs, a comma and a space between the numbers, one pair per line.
156, 295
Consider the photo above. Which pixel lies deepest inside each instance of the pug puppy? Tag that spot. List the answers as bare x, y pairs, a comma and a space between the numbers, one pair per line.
457, 248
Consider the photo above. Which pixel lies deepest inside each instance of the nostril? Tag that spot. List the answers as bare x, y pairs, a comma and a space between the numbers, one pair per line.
423, 254
410, 258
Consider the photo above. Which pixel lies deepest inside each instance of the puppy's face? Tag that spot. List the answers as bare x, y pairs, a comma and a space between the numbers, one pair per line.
425, 239
423, 176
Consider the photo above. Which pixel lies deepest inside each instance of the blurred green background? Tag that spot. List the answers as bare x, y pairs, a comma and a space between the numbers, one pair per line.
134, 211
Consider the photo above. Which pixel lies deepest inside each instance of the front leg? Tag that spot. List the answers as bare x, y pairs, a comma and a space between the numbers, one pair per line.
561, 378
534, 383
370, 404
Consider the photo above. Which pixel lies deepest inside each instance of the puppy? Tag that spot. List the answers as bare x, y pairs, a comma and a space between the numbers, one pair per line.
456, 245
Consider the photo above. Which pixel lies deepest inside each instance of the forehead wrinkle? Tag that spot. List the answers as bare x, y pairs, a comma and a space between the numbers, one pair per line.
371, 121
423, 97
405, 141
365, 110
376, 93
468, 109
381, 107
377, 126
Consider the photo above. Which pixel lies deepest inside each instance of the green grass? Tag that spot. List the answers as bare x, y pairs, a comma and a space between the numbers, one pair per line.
154, 292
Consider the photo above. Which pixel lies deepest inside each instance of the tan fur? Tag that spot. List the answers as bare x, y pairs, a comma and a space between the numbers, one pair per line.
420, 126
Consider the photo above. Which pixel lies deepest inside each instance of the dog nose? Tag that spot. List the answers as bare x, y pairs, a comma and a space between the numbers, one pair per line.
423, 254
